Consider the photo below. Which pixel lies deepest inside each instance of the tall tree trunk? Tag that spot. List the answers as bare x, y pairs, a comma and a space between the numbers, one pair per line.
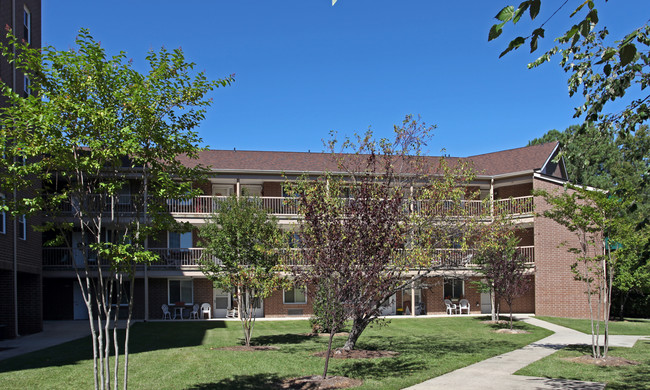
358, 326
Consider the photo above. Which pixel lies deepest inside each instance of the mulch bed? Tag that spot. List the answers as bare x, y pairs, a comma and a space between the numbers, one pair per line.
513, 331
318, 383
357, 354
249, 349
325, 334
609, 361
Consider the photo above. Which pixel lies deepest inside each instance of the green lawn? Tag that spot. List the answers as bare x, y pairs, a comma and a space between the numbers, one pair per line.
625, 377
173, 355
631, 326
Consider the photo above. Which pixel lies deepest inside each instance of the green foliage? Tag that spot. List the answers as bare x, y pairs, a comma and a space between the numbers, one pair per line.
600, 69
241, 252
90, 125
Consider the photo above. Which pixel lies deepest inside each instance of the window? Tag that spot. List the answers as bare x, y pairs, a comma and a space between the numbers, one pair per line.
180, 290
26, 86
22, 227
454, 288
27, 25
295, 295
180, 240
3, 216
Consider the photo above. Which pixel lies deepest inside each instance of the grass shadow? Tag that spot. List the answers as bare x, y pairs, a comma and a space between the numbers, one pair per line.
144, 337
242, 382
381, 368
287, 338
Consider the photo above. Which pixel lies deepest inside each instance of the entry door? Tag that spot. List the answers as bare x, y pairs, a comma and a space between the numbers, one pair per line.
80, 310
220, 303
388, 308
78, 251
486, 304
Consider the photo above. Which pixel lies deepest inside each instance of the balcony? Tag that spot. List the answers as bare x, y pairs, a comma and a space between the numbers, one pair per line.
179, 258
203, 206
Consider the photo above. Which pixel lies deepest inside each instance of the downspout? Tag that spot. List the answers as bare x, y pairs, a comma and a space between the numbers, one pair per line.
15, 238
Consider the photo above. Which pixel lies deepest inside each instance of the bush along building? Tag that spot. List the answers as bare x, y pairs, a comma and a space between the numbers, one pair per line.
20, 254
503, 183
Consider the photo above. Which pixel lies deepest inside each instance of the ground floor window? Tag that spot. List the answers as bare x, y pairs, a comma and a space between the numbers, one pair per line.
295, 295
454, 288
180, 290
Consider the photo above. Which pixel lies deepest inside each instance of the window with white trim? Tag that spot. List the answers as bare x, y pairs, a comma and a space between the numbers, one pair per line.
454, 288
3, 216
22, 227
27, 25
295, 295
180, 290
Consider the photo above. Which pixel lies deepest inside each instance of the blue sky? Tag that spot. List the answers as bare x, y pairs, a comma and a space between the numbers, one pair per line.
304, 68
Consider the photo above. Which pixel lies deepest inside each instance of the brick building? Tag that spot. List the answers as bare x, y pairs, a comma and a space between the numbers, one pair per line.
20, 254
504, 178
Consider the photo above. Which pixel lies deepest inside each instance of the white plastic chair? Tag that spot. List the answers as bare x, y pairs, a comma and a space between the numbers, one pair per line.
166, 313
206, 309
195, 311
231, 313
451, 307
463, 305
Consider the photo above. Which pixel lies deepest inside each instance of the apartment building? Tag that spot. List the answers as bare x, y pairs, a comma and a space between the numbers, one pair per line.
505, 177
20, 254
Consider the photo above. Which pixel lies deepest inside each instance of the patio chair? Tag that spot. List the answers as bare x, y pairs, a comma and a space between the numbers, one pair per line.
195, 311
206, 309
463, 305
231, 313
166, 313
451, 307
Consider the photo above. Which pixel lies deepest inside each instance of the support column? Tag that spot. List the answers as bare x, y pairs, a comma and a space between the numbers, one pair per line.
412, 300
238, 188
492, 198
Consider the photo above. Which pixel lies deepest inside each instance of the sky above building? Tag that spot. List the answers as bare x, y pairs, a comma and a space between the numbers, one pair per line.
304, 68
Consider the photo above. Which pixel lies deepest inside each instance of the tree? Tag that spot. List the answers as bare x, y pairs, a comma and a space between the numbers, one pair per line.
241, 252
90, 125
591, 215
503, 269
601, 70
375, 228
619, 165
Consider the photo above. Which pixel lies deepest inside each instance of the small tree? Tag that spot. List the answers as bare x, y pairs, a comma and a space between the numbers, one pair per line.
241, 252
89, 125
503, 269
591, 215
370, 226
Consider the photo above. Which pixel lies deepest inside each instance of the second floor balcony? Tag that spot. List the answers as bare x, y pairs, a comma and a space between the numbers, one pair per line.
190, 258
203, 206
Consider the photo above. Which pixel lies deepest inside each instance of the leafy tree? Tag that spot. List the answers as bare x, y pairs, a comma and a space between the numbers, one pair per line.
503, 269
618, 164
90, 124
590, 155
362, 229
600, 69
241, 252
591, 216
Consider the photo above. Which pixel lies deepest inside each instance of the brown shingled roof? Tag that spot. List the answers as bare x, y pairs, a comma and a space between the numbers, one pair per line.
513, 160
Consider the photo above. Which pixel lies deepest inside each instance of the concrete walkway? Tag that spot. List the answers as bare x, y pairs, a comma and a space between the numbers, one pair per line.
497, 372
54, 333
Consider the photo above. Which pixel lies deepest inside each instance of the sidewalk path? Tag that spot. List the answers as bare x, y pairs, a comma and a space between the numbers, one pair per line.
497, 372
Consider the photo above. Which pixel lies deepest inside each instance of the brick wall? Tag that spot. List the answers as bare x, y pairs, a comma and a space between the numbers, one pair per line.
271, 188
513, 191
30, 314
526, 236
433, 297
274, 305
158, 294
6, 304
557, 293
